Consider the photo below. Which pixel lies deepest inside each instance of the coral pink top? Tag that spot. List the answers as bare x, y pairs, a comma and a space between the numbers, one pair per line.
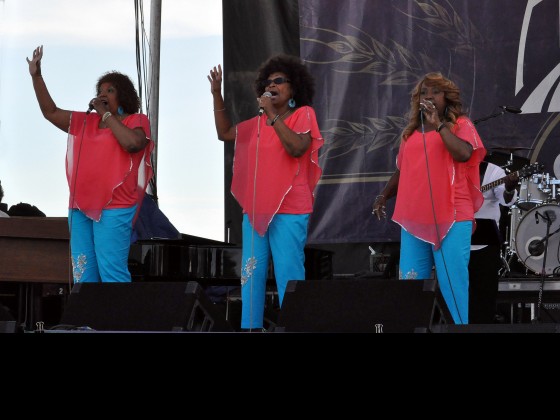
101, 174
452, 187
266, 179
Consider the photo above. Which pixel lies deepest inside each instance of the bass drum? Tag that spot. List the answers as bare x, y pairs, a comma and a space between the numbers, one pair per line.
515, 214
532, 229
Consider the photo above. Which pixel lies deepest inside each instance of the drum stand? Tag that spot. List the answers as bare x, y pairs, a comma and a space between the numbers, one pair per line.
544, 241
505, 265
507, 254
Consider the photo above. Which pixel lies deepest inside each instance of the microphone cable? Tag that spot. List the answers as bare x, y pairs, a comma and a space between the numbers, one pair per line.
73, 196
435, 218
251, 261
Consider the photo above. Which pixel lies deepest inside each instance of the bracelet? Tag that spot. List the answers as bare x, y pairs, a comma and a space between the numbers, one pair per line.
274, 120
380, 195
440, 126
218, 110
106, 115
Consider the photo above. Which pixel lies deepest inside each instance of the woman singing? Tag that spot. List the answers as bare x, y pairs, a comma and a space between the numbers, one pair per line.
108, 169
275, 172
438, 184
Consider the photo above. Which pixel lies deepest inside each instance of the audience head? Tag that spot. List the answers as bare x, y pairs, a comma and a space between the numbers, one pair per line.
25, 209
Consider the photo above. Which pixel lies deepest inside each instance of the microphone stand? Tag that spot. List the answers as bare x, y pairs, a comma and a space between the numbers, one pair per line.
497, 114
537, 318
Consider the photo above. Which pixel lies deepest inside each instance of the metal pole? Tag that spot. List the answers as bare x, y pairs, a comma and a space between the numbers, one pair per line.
155, 41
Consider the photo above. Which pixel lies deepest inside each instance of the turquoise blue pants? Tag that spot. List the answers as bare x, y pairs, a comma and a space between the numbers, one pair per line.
285, 239
417, 259
100, 249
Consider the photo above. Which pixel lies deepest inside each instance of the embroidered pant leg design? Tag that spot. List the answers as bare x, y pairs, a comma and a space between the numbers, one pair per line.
254, 262
84, 261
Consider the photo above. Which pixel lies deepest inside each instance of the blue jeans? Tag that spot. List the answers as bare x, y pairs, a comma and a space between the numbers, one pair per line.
452, 266
285, 239
100, 249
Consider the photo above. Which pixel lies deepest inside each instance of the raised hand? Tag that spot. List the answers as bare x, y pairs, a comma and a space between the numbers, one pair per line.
35, 62
215, 79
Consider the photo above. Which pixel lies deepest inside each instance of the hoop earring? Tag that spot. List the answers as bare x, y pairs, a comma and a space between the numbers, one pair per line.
120, 110
292, 103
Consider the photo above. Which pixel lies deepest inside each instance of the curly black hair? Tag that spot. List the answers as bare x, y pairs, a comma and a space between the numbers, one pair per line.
126, 92
1, 192
303, 83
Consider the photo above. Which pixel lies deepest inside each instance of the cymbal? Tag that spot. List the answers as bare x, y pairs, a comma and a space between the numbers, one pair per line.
503, 159
556, 167
511, 148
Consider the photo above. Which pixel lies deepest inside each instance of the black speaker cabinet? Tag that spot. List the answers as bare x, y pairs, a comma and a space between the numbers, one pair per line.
142, 306
362, 306
7, 321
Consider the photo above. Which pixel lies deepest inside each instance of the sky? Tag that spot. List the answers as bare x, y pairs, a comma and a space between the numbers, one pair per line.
81, 41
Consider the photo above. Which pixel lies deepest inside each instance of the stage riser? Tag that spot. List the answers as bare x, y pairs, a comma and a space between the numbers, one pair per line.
498, 328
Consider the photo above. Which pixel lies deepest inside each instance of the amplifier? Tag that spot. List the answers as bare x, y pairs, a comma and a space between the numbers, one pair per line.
522, 297
528, 285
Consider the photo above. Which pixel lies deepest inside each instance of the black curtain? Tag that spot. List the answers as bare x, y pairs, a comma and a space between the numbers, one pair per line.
366, 55
253, 31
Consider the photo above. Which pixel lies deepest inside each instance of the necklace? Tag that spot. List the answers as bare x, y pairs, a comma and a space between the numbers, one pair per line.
281, 117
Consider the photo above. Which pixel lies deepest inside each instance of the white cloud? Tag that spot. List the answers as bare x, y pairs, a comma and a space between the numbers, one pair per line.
200, 18
103, 22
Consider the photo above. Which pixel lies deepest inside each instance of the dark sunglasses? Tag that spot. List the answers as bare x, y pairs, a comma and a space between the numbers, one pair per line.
277, 81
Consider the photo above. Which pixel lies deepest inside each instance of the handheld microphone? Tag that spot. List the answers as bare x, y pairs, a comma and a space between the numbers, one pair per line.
512, 109
423, 106
90, 108
261, 109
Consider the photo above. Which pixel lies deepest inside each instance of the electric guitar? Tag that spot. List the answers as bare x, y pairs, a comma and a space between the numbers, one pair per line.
524, 172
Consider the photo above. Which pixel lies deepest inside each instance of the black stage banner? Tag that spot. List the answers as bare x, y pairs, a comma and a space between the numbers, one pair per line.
366, 55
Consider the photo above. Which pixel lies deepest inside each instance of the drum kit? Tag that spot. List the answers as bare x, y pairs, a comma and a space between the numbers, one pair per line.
533, 236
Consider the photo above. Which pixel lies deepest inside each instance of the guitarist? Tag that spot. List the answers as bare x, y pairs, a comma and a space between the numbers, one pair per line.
485, 259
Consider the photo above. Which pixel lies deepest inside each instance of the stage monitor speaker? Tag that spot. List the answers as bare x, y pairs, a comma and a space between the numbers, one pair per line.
7, 321
142, 306
362, 306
